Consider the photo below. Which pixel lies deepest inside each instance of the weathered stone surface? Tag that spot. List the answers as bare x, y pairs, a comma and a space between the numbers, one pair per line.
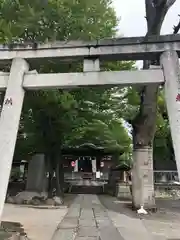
35, 201
170, 65
87, 238
89, 219
87, 222
103, 222
123, 191
65, 234
50, 201
73, 212
69, 222
10, 200
18, 200
88, 232
27, 197
110, 232
142, 179
36, 179
136, 48
4, 235
10, 117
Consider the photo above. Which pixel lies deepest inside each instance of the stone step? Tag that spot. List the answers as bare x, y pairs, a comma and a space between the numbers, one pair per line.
87, 189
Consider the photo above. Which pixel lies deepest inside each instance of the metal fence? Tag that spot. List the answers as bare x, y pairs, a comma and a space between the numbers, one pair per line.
159, 176
165, 177
79, 175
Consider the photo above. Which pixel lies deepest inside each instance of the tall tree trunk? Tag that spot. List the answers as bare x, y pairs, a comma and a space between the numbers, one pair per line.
144, 124
61, 176
59, 182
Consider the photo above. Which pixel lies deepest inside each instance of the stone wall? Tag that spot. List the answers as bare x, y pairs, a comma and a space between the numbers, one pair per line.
167, 191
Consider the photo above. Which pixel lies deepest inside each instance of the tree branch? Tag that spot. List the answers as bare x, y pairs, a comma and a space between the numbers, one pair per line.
163, 3
158, 3
144, 122
169, 3
156, 11
177, 27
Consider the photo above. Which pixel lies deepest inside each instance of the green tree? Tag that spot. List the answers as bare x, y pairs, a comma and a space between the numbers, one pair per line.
49, 116
52, 119
163, 148
144, 124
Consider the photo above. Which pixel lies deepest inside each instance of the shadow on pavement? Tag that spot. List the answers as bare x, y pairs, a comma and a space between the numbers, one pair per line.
169, 204
68, 199
118, 206
167, 209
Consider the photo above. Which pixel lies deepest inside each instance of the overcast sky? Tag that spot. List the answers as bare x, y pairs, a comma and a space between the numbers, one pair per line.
132, 14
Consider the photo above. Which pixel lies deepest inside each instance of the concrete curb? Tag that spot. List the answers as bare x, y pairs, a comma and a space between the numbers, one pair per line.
43, 207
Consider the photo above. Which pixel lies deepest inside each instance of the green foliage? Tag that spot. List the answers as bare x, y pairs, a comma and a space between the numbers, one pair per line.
57, 20
163, 149
52, 119
111, 135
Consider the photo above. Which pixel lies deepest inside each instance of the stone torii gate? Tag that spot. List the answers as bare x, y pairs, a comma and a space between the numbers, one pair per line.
91, 53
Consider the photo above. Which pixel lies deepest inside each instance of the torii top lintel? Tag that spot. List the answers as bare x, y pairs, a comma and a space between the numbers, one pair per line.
135, 48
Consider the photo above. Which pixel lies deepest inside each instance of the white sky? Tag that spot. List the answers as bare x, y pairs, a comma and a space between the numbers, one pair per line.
132, 13
133, 22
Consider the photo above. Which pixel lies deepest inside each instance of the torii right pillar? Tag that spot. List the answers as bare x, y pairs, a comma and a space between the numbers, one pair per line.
170, 64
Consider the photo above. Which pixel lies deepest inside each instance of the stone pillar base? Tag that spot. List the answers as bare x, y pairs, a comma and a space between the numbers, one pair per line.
123, 191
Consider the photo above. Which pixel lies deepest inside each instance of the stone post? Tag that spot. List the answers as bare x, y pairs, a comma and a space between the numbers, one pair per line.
93, 165
36, 178
76, 166
91, 65
142, 178
170, 64
9, 123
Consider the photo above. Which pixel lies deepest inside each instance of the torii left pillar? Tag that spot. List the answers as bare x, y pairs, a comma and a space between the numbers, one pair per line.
9, 123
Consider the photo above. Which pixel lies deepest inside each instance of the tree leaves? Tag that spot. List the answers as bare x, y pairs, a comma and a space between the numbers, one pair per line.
52, 119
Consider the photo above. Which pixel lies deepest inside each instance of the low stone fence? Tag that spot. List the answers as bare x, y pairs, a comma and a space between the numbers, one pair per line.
165, 177
164, 190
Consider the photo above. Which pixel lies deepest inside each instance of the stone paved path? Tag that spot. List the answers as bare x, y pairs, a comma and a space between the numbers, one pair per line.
87, 219
92, 217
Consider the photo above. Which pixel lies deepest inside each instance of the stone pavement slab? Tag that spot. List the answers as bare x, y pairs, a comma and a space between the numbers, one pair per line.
69, 222
163, 229
65, 234
88, 232
87, 238
130, 228
93, 221
87, 222
110, 232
